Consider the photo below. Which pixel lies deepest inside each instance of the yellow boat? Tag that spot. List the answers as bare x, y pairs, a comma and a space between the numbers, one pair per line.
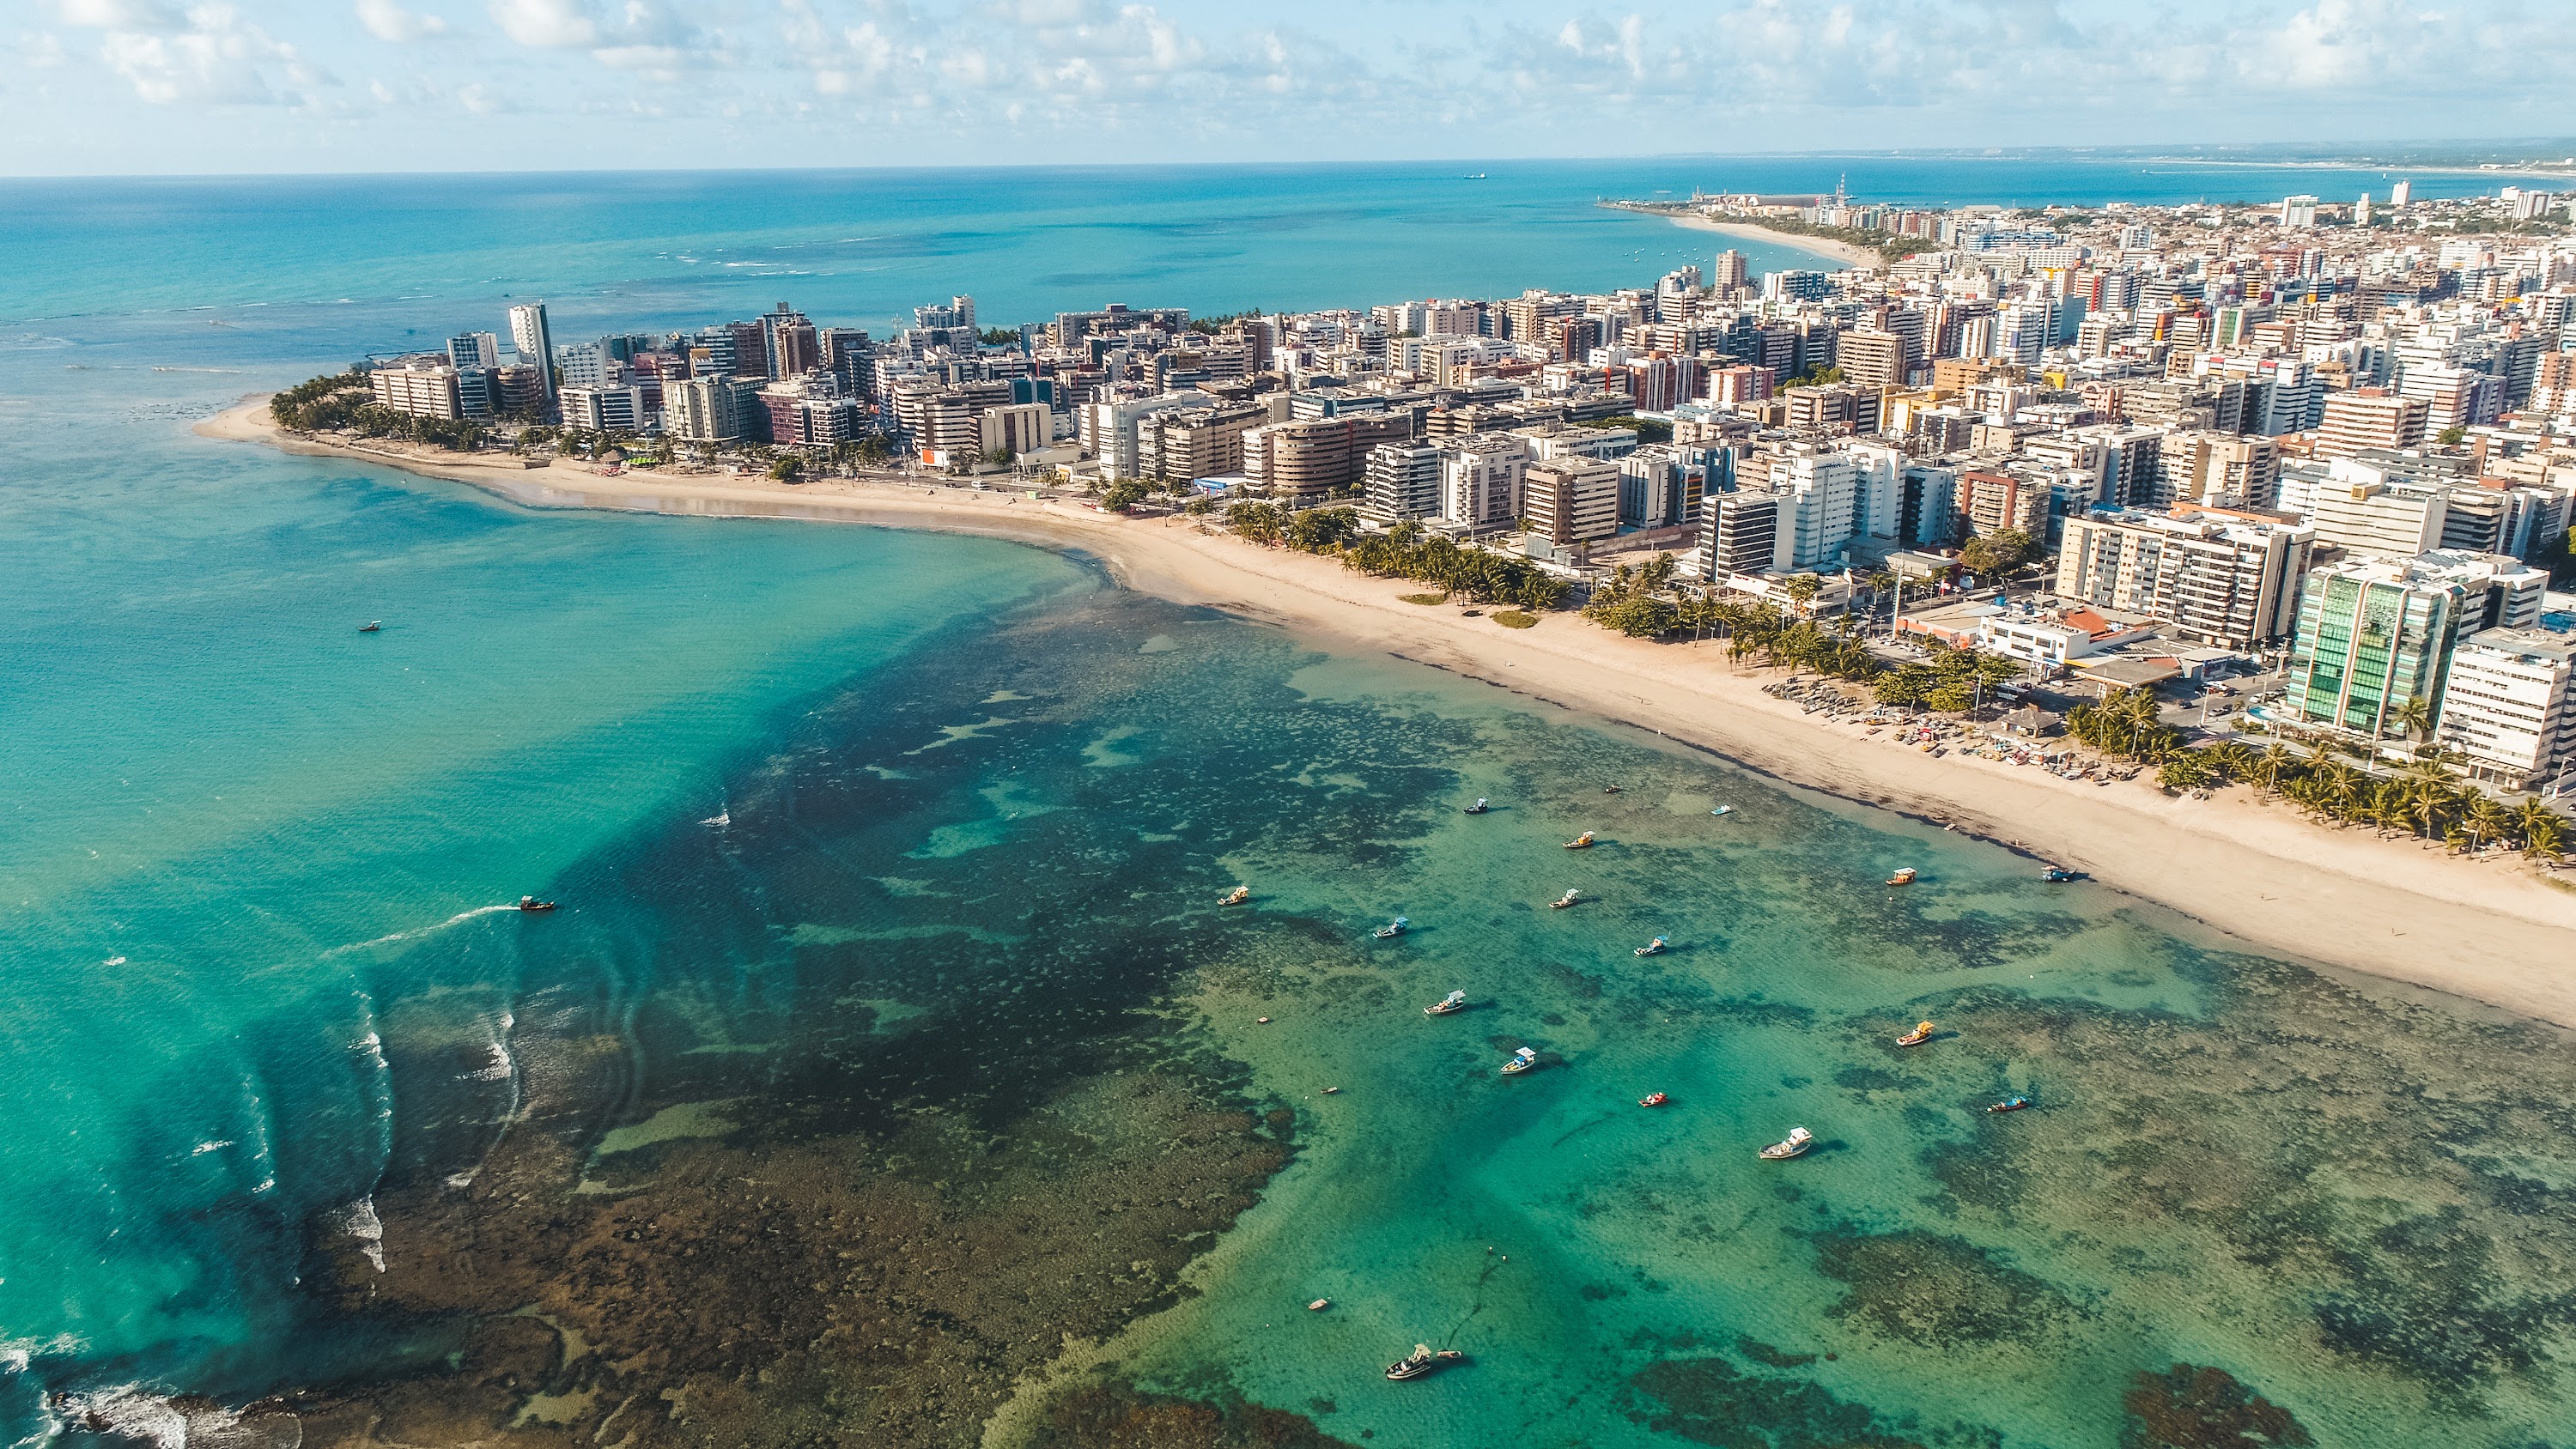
1580, 842
1921, 1033
1904, 876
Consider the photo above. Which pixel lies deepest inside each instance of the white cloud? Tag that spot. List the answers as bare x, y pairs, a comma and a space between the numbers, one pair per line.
143, 16
480, 99
217, 59
386, 20
545, 24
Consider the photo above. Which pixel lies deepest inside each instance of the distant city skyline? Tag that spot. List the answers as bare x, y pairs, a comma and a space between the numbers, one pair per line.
157, 86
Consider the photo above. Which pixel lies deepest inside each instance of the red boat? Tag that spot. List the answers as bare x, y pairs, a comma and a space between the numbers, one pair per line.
1653, 1099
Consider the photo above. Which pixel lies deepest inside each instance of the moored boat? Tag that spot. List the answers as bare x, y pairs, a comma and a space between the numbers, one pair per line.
1653, 1099
1561, 902
1793, 1145
371, 626
1237, 896
2056, 873
1392, 929
1655, 947
1454, 1001
532, 905
2009, 1104
1422, 1361
1522, 1061
1904, 876
1319, 1305
1723, 810
1921, 1033
1480, 807
1580, 842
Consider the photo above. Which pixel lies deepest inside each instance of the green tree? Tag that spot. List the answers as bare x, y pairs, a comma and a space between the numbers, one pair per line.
2414, 715
1801, 588
1124, 494
1996, 553
789, 469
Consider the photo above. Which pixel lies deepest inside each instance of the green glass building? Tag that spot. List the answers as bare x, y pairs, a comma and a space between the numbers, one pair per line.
2373, 635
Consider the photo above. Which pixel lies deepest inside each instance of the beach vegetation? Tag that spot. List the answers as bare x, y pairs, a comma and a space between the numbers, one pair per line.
790, 469
1424, 599
1123, 495
1401, 552
322, 403
1515, 618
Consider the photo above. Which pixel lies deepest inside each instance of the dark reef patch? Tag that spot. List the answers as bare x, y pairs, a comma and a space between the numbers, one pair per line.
1937, 1291
2192, 1407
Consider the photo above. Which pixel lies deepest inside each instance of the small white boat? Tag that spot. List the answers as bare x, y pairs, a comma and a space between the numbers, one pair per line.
1655, 947
1422, 1361
1521, 1061
1723, 810
1454, 1001
1796, 1143
1561, 902
1319, 1305
1237, 896
1393, 929
1480, 807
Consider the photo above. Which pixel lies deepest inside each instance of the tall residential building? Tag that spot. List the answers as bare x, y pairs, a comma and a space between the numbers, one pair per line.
1109, 426
703, 409
2375, 519
2369, 417
1742, 533
2510, 705
1402, 480
1180, 444
603, 409
474, 349
1320, 456
1572, 500
1991, 502
1872, 359
1824, 506
2224, 580
2401, 194
1481, 477
534, 342
426, 387
1017, 428
2374, 633
1729, 273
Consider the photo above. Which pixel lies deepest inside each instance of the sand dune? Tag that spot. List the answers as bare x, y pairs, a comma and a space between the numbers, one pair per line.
2494, 930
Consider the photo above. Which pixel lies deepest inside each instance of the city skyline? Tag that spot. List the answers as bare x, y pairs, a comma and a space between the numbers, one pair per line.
147, 86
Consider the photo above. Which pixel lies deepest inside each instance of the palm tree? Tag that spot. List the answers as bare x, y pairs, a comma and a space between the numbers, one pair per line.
2414, 715
2486, 820
2542, 835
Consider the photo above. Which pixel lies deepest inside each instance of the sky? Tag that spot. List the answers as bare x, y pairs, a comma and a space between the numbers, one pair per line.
103, 87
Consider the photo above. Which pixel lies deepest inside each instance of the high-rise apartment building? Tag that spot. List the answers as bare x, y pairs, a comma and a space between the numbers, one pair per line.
706, 409
603, 409
2369, 417
2218, 579
1572, 500
535, 343
2373, 635
1402, 480
2355, 512
1481, 477
1320, 456
2509, 706
1742, 533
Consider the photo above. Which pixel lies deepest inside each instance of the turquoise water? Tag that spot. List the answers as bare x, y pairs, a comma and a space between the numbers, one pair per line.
889, 1032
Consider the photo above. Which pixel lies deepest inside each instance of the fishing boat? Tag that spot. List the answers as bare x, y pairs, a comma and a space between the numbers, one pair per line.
1580, 842
1921, 1033
1319, 1305
1422, 1361
1653, 1099
1723, 810
371, 626
532, 905
1521, 1061
1609, 789
1793, 1145
2010, 1104
1904, 876
1480, 807
1655, 947
2056, 873
1561, 902
1393, 929
1236, 896
1453, 1002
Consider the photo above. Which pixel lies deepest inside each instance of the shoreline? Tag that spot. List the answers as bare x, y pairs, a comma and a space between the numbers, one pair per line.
1854, 257
2247, 866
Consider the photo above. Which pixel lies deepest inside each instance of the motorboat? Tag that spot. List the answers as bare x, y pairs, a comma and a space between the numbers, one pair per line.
1561, 902
2010, 1104
2057, 873
1921, 1033
532, 905
1236, 896
1393, 929
1655, 947
1453, 1002
1904, 876
1319, 1305
1793, 1145
1609, 789
1723, 810
1332, 1091
1480, 807
371, 626
1580, 842
1653, 1099
1422, 1361
1522, 1061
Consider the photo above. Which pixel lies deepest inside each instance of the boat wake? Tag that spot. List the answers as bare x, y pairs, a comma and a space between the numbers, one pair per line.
458, 918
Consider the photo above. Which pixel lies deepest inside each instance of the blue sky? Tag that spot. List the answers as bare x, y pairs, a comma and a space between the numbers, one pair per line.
183, 86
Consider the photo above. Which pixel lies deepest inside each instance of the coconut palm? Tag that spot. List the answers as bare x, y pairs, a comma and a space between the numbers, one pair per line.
2485, 820
2414, 715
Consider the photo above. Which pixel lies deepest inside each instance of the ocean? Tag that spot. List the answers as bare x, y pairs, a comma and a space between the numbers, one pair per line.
889, 1063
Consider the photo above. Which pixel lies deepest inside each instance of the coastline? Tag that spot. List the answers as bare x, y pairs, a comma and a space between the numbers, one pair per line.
1840, 251
2250, 867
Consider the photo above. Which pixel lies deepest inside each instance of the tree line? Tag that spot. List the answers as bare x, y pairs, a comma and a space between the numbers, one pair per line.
2424, 800
1401, 552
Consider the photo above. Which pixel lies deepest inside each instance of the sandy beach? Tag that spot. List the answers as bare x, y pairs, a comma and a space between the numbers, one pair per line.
2491, 930
1843, 252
